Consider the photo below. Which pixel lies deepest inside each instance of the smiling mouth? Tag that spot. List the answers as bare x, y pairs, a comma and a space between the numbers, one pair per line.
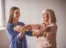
17, 18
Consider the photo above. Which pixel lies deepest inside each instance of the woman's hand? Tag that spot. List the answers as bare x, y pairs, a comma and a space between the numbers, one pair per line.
38, 33
17, 28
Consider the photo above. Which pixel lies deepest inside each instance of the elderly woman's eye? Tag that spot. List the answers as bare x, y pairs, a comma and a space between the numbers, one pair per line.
16, 12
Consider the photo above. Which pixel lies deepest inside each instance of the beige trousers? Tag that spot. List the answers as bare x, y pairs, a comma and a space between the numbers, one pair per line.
42, 42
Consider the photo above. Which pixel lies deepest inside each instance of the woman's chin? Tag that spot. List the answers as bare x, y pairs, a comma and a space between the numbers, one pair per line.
16, 18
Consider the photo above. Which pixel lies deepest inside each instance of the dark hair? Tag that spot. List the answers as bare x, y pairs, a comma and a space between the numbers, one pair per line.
12, 14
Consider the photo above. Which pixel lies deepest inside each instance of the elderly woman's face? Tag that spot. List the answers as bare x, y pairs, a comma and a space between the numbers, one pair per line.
45, 17
16, 14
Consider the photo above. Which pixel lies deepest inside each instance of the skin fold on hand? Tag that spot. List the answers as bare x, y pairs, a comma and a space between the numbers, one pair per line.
26, 27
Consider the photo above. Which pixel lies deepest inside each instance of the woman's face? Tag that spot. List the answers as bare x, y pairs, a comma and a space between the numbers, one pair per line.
16, 14
45, 17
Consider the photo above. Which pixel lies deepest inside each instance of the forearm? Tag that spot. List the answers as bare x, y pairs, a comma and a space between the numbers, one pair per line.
35, 26
27, 27
20, 35
44, 31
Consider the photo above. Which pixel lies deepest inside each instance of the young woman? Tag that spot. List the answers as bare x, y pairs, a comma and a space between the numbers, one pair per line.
16, 39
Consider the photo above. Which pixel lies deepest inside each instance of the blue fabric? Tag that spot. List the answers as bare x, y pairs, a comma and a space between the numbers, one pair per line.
14, 41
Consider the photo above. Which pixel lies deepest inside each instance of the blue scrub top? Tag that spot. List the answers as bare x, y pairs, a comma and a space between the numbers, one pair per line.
14, 40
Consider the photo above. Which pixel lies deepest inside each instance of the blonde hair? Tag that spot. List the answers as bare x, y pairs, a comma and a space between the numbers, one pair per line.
51, 15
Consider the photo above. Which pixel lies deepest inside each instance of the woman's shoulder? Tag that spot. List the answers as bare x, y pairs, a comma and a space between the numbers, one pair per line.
53, 25
9, 25
21, 23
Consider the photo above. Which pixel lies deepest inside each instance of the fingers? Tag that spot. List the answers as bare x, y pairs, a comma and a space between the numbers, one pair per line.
22, 29
37, 33
17, 28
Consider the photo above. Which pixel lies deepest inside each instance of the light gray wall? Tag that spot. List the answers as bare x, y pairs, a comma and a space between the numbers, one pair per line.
31, 13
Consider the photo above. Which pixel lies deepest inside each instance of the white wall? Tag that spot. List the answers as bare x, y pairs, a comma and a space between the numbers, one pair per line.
31, 13
1, 14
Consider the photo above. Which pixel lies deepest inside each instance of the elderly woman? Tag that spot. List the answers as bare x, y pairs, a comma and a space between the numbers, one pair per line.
49, 31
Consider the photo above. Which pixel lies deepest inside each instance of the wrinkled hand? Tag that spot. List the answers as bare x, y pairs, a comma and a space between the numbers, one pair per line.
39, 33
17, 28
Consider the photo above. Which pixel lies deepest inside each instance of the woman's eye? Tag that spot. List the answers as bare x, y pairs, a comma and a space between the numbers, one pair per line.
17, 12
